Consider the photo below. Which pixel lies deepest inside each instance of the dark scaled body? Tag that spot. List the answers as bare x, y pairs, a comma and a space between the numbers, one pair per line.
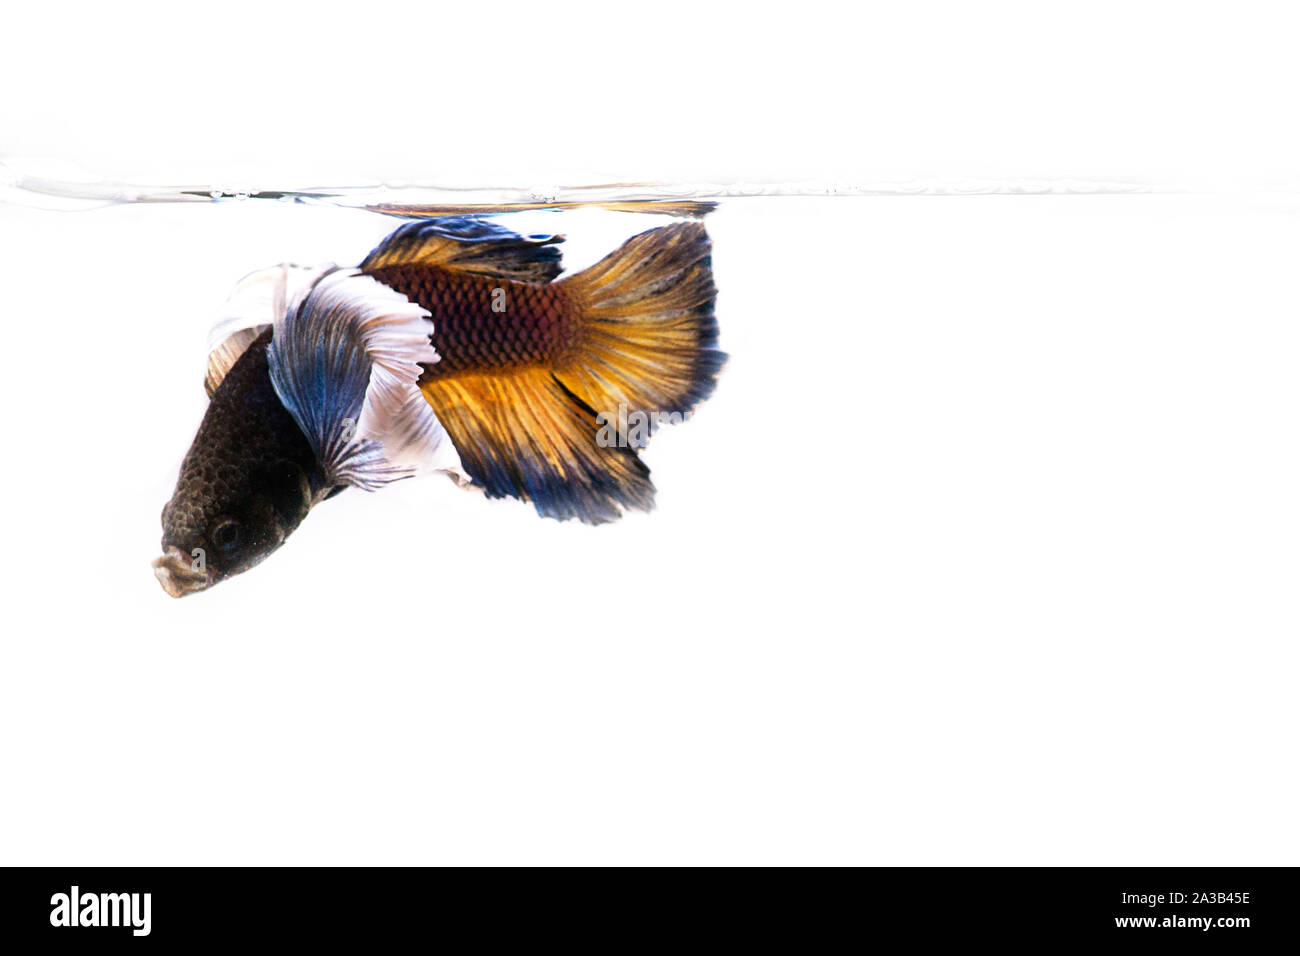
484, 323
246, 483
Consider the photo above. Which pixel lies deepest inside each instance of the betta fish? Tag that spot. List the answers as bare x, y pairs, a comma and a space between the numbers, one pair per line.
453, 348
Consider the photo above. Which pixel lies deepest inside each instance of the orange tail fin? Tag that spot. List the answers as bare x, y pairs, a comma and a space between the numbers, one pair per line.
649, 329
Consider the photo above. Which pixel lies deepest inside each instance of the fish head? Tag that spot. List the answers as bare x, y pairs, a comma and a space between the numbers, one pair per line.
222, 521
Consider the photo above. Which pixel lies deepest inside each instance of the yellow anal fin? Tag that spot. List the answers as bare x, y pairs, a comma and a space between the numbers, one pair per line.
525, 435
469, 245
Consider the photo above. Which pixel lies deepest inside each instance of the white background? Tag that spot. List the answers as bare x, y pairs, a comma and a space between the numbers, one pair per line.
984, 552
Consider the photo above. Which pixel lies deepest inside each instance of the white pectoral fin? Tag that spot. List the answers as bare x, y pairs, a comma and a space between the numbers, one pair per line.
345, 359
258, 300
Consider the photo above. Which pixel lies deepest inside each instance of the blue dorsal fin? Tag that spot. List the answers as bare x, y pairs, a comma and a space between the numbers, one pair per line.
469, 245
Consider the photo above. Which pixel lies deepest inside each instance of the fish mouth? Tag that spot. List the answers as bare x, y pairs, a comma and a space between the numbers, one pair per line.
176, 573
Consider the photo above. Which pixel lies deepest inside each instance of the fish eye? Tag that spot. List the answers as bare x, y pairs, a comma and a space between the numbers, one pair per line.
226, 535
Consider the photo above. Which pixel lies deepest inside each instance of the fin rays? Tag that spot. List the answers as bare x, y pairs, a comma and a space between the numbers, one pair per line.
526, 435
470, 245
